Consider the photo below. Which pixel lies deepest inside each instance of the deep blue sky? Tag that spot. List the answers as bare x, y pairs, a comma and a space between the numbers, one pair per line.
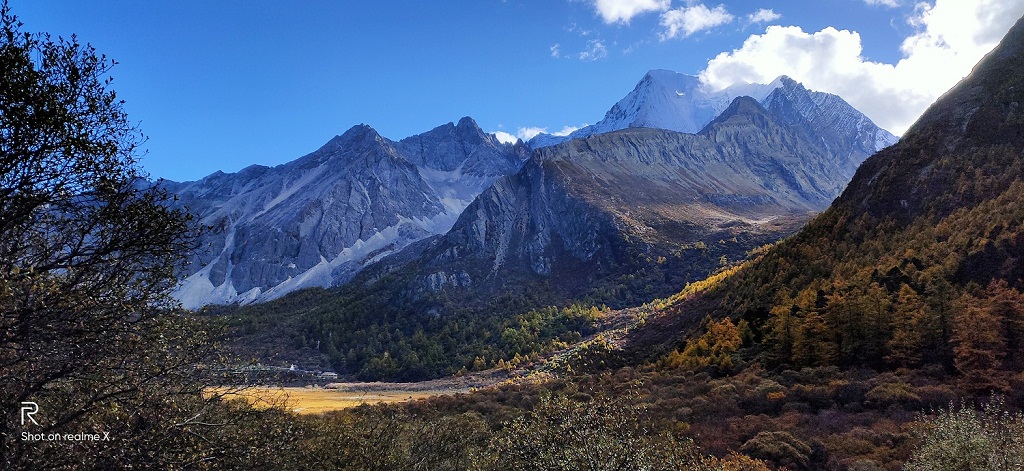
222, 85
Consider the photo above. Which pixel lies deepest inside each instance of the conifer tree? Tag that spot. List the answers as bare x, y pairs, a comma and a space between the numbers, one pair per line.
905, 344
979, 345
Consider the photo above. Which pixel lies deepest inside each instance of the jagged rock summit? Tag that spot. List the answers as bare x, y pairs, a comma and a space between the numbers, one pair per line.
668, 100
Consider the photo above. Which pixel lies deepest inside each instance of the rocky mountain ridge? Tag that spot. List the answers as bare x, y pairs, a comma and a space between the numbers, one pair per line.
319, 219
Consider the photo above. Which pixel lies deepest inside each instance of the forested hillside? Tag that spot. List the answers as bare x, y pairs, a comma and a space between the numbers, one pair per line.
918, 262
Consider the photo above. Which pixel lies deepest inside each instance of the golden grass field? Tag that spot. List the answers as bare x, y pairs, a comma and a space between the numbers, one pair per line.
310, 400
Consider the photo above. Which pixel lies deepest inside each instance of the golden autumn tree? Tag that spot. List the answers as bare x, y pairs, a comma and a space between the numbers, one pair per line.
905, 344
1008, 305
712, 349
979, 344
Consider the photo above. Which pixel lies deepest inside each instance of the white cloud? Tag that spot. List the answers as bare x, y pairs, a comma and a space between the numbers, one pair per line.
884, 3
621, 11
686, 21
527, 133
595, 50
566, 130
505, 138
556, 51
952, 36
763, 15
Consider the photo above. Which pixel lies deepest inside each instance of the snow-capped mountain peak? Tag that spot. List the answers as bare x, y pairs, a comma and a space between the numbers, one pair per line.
669, 100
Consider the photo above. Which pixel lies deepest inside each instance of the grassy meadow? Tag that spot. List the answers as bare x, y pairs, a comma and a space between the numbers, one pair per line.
316, 400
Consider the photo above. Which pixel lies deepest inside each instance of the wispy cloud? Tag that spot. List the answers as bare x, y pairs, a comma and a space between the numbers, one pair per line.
884, 3
575, 28
595, 50
763, 15
529, 132
566, 130
556, 51
621, 11
685, 21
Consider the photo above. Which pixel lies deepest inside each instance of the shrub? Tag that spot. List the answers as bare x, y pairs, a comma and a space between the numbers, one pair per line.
887, 394
968, 439
781, 448
605, 433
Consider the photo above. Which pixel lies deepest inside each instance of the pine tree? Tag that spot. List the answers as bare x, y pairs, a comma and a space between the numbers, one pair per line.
780, 329
905, 344
979, 345
1008, 305
812, 345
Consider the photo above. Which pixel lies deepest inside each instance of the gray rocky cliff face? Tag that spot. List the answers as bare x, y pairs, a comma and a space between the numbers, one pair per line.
847, 135
517, 220
318, 220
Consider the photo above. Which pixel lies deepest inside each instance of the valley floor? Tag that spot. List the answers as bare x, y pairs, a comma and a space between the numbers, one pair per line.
315, 399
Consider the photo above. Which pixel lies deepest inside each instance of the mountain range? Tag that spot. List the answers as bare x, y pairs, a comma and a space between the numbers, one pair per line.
670, 165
